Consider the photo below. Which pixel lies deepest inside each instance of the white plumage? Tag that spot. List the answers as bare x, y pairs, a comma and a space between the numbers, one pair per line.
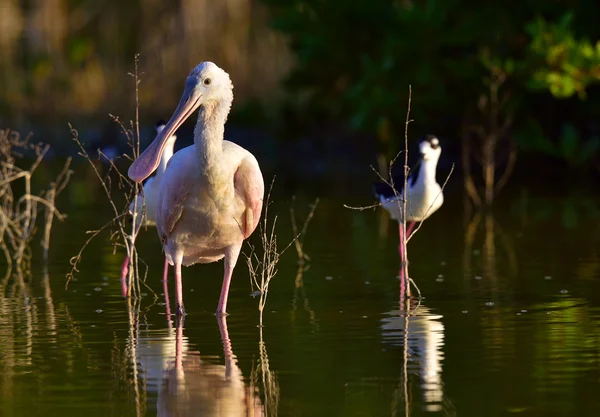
423, 194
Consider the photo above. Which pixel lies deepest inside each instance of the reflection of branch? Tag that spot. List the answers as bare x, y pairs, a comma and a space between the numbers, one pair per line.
509, 249
470, 232
299, 242
405, 364
267, 378
50, 315
299, 287
489, 256
404, 312
133, 307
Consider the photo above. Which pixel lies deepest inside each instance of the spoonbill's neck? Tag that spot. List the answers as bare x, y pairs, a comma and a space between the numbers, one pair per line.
208, 134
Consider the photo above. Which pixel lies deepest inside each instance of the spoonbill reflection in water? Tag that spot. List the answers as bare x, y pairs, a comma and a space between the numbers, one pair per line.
151, 189
186, 384
211, 195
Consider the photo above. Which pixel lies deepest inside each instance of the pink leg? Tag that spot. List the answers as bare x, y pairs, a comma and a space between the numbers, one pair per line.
178, 287
409, 228
231, 257
403, 281
401, 242
124, 271
166, 288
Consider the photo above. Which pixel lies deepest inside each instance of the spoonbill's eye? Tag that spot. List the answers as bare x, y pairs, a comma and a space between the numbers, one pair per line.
207, 81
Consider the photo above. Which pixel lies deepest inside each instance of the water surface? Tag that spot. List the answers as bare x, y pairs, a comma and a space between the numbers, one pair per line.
509, 322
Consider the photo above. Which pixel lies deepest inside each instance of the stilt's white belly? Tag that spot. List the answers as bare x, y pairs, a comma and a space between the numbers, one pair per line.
421, 203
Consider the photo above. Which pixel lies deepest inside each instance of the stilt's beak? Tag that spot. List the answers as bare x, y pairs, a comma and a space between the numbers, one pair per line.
148, 161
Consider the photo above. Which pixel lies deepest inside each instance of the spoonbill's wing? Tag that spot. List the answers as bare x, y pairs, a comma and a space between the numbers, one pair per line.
249, 185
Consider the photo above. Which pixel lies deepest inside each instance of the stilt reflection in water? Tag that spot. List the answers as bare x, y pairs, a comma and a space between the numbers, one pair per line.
422, 334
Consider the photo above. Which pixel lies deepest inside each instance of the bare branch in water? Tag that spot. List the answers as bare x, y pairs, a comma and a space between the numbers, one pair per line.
18, 215
263, 269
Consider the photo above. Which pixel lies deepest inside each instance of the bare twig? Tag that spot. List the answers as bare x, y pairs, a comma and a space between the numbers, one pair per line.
263, 270
131, 190
432, 203
405, 190
362, 208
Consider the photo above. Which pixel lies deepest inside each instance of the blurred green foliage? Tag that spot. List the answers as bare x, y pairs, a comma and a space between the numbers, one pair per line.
564, 65
356, 59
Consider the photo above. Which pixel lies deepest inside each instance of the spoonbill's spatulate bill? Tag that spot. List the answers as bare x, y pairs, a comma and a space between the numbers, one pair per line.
423, 194
150, 190
211, 194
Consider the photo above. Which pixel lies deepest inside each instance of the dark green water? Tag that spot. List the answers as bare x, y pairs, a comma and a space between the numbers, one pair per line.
509, 323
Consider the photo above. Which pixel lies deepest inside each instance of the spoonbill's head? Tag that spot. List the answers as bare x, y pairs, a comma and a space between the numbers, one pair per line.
430, 148
206, 85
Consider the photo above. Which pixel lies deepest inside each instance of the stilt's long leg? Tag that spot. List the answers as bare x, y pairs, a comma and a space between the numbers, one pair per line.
402, 250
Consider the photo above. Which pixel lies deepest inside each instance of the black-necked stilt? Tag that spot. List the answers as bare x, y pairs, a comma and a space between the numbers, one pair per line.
423, 194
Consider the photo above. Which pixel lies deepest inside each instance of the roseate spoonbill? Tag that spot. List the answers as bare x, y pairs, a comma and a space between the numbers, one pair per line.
151, 188
424, 195
211, 194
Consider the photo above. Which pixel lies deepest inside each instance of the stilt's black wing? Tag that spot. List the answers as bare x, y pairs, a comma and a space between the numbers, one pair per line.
385, 190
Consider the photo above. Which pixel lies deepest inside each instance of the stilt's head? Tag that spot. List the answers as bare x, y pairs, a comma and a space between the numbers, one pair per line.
207, 84
159, 126
430, 148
